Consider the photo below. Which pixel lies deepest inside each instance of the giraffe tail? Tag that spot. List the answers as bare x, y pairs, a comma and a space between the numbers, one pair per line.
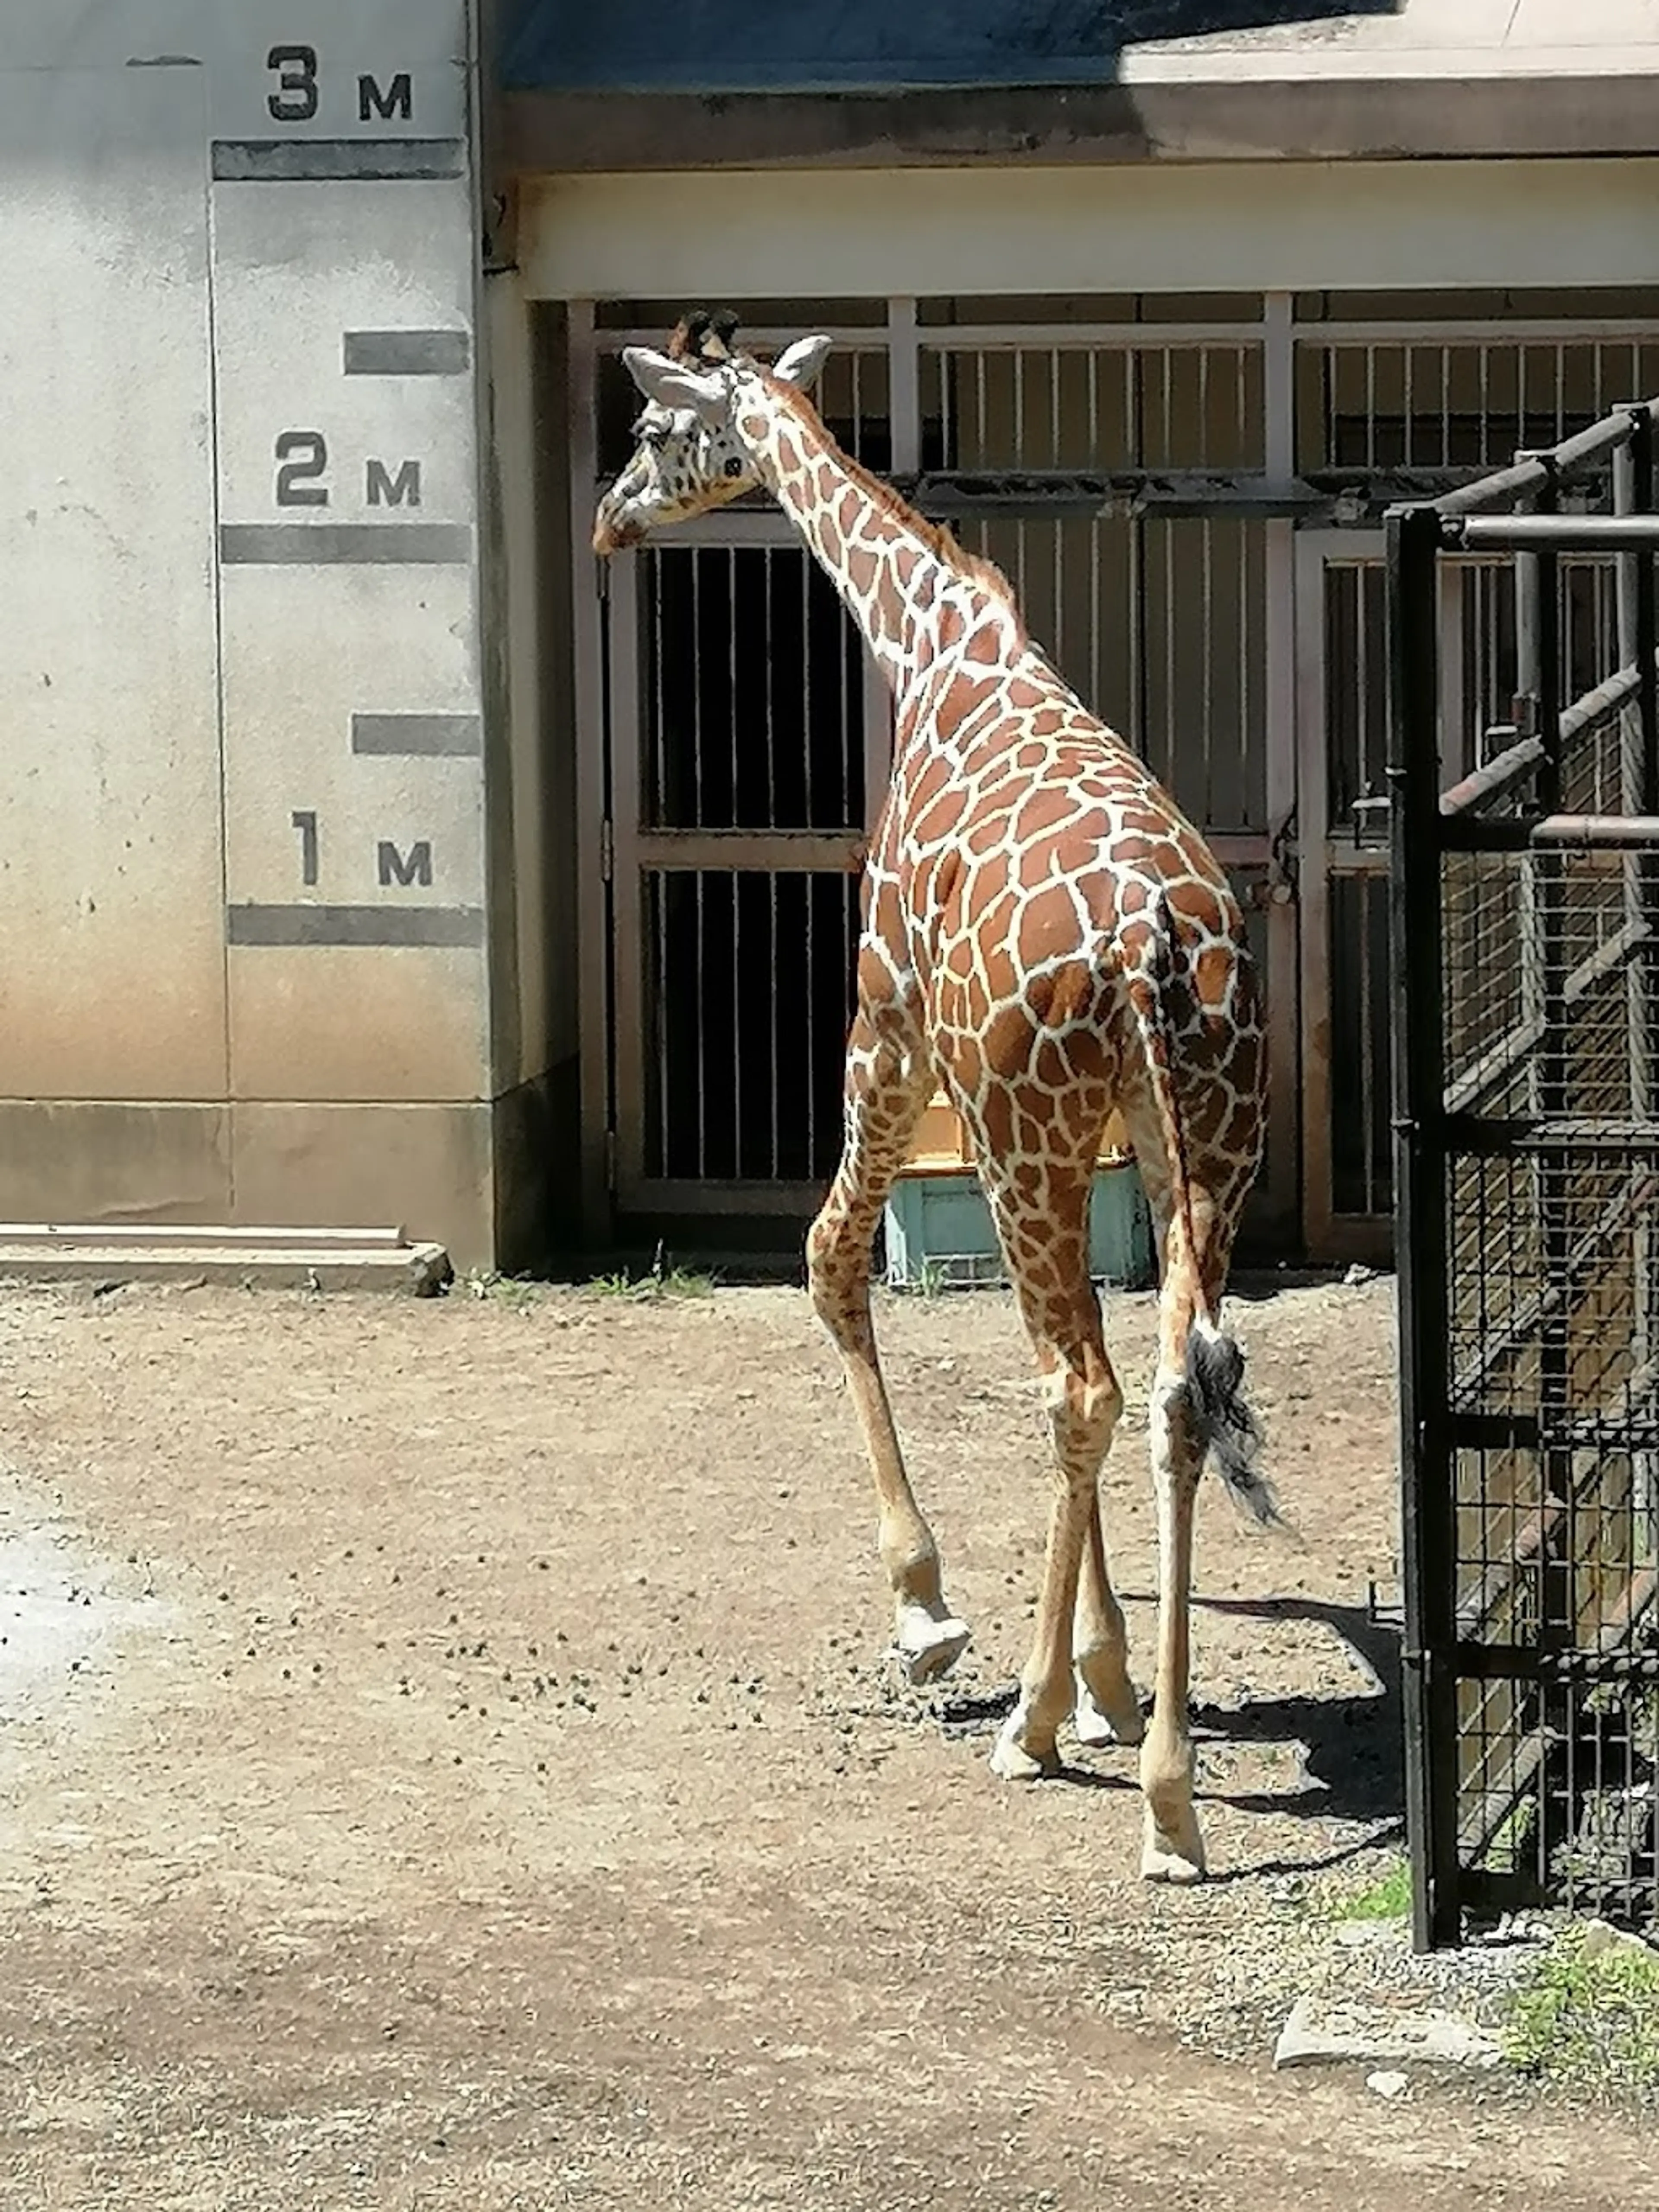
1212, 1382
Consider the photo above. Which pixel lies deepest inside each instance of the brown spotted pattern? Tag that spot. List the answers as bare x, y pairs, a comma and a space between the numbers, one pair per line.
1048, 938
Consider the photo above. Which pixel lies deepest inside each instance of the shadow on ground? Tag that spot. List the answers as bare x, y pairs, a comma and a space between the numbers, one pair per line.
1352, 1770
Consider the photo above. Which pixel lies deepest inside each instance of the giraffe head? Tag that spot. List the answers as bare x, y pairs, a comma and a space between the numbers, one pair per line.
688, 456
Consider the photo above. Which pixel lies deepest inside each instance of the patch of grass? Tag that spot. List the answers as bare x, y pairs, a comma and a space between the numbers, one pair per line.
1388, 1897
517, 1291
1588, 2014
660, 1281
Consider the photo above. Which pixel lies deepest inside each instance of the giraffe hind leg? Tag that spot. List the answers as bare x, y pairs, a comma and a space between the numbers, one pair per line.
1044, 1230
887, 1082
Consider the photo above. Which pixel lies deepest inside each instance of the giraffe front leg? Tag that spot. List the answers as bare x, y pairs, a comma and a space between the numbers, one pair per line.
887, 1083
1107, 1711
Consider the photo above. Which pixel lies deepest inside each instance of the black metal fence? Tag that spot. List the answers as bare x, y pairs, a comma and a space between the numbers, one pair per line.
1525, 926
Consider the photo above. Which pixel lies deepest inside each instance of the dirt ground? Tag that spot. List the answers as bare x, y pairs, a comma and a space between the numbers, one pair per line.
445, 1761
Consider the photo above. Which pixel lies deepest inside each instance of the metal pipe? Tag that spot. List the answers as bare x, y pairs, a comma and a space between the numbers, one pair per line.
1509, 766
1587, 713
1560, 533
1588, 833
1429, 1507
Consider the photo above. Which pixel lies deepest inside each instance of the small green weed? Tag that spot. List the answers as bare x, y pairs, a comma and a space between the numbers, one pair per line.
660, 1281
1388, 1897
1588, 2015
516, 1290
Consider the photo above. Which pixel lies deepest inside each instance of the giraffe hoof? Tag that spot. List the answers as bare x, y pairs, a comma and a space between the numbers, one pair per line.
927, 1647
1014, 1759
1173, 1857
1099, 1722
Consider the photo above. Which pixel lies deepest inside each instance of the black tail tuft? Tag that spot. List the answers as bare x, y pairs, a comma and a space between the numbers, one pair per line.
1225, 1423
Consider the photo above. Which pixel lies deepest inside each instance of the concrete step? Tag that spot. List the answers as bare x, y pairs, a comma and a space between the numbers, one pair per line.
280, 1259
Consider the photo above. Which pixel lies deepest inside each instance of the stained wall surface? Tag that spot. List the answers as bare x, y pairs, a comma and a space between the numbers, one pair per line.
246, 956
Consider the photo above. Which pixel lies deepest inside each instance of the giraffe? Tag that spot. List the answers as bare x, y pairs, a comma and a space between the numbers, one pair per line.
1047, 937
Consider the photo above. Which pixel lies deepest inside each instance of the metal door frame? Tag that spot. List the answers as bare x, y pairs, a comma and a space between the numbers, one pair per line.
1293, 858
636, 852
1329, 1235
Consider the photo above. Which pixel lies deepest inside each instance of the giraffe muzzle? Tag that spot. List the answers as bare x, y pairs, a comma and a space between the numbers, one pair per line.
614, 532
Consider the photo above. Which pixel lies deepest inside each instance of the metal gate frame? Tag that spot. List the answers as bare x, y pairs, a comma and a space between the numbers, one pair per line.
611, 835
1514, 1652
1293, 487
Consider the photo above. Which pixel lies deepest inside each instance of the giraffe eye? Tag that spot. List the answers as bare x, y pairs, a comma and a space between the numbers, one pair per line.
733, 467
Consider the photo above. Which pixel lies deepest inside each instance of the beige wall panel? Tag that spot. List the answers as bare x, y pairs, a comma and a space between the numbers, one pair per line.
1195, 226
74, 1162
356, 1021
425, 1169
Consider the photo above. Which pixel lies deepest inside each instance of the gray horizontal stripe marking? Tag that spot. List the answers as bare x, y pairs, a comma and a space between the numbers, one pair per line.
255, 544
451, 926
408, 353
285, 160
461, 736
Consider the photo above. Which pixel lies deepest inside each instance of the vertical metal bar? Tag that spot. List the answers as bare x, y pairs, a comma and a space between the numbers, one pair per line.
904, 384
636, 1012
735, 813
1408, 440
1206, 662
1641, 795
698, 817
592, 781
1420, 1188
1279, 740
1305, 636
1166, 364
1445, 407
1093, 699
775, 1002
1483, 355
1544, 878
770, 579
1457, 713
1135, 437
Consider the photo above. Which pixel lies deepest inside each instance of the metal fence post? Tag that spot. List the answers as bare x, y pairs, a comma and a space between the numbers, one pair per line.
1428, 1501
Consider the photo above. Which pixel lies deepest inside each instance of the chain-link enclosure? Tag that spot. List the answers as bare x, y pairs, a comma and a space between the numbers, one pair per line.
1525, 916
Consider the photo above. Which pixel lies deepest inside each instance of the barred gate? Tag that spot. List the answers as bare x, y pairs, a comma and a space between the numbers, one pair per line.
1525, 932
1188, 493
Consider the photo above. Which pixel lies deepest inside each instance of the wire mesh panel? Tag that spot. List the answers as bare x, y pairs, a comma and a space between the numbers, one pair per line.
1526, 904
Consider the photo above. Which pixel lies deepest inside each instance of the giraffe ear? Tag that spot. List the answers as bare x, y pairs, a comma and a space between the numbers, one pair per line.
674, 385
800, 362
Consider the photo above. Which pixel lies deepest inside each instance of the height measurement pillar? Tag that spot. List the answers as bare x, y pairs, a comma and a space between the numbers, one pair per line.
344, 259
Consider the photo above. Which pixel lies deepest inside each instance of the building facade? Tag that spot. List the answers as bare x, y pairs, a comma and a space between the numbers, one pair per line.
374, 855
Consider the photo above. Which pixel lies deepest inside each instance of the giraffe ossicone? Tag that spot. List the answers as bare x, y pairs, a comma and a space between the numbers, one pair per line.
1047, 937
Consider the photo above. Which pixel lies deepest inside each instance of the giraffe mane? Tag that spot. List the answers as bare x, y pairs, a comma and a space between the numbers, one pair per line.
938, 537
704, 335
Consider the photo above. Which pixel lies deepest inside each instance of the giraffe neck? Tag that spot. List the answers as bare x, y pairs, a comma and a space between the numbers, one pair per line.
891, 568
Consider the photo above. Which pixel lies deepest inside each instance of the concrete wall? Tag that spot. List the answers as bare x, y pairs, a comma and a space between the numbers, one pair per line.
262, 788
